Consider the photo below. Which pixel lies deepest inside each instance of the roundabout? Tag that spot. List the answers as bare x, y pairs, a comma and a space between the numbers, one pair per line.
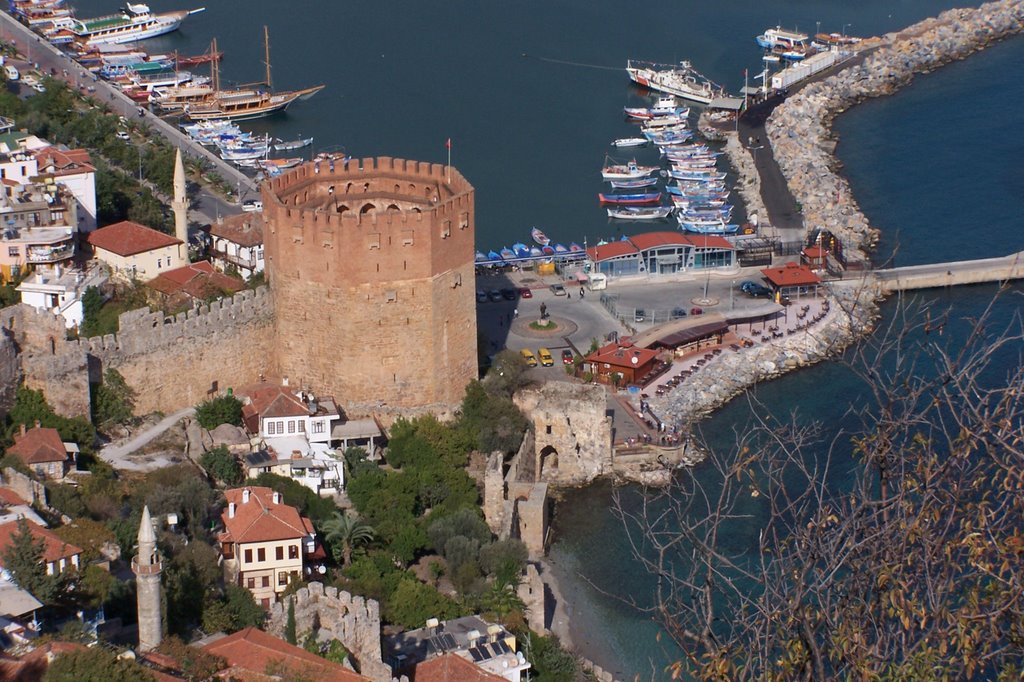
543, 329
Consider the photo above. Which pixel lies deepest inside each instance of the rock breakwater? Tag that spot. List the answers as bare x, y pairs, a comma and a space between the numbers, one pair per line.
800, 129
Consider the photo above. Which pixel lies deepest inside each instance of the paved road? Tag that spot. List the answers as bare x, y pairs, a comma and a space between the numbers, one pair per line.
51, 60
118, 454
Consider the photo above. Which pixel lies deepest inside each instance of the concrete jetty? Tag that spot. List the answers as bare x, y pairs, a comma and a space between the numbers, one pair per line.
936, 275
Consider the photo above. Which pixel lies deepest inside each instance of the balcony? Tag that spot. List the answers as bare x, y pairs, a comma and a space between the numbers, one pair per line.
50, 254
236, 260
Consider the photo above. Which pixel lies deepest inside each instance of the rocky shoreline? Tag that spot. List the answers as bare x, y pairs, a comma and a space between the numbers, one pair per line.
800, 129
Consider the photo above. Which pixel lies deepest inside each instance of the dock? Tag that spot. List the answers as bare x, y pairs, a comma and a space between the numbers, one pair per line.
534, 260
937, 275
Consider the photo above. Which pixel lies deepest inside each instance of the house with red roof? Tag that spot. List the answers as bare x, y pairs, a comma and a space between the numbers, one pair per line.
238, 243
791, 280
253, 655
266, 543
73, 169
58, 555
198, 281
661, 253
134, 251
630, 362
43, 451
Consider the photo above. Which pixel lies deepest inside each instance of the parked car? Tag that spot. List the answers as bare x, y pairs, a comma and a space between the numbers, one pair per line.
122, 135
638, 315
508, 294
481, 296
525, 292
545, 357
558, 290
678, 312
528, 357
494, 295
252, 205
567, 357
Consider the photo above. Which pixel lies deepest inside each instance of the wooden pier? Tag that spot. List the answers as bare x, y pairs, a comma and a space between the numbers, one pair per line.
936, 275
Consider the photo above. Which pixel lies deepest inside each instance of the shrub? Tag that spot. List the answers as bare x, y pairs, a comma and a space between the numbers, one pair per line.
222, 465
225, 409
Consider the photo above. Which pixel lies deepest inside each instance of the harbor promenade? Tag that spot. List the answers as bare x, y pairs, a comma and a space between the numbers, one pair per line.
936, 275
51, 60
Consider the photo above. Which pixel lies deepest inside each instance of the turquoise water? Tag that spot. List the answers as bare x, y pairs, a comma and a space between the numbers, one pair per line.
936, 167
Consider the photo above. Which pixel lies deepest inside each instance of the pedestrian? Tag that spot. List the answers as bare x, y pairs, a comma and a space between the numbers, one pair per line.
515, 313
581, 292
568, 295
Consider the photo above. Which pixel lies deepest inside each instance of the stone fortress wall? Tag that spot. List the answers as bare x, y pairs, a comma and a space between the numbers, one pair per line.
376, 257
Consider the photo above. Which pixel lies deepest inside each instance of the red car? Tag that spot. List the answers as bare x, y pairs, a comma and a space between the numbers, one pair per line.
525, 293
566, 357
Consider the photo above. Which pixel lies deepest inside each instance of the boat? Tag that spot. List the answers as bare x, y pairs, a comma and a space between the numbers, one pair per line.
780, 38
698, 176
682, 80
521, 250
294, 144
535, 252
560, 249
642, 198
575, 248
480, 256
198, 59
493, 255
630, 142
279, 164
639, 213
539, 236
548, 250
135, 22
836, 39
247, 102
639, 183
665, 122
626, 172
507, 254
665, 106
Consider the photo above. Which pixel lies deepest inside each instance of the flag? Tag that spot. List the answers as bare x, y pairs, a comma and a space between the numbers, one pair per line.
448, 144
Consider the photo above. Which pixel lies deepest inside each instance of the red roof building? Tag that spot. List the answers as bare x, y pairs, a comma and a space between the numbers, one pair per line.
623, 358
58, 555
253, 655
791, 279
199, 281
452, 668
661, 253
238, 242
265, 543
134, 250
42, 451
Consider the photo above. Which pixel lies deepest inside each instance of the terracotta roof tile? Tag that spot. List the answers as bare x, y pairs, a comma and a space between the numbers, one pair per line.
259, 519
39, 446
610, 250
198, 280
250, 652
57, 162
9, 497
127, 238
54, 549
791, 275
619, 354
275, 401
245, 229
452, 668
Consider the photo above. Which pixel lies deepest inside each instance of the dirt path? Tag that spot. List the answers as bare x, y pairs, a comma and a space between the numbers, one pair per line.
118, 454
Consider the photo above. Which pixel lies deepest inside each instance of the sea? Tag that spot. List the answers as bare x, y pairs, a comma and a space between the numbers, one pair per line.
530, 94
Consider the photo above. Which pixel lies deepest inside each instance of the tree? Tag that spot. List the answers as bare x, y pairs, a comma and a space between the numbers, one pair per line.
222, 465
225, 409
910, 569
90, 535
96, 664
23, 559
196, 663
92, 303
413, 602
505, 560
113, 400
343, 532
289, 626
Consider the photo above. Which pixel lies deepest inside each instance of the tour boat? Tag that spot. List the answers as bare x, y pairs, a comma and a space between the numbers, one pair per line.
639, 213
539, 236
639, 183
642, 198
780, 38
198, 59
681, 81
665, 106
630, 142
626, 172
135, 22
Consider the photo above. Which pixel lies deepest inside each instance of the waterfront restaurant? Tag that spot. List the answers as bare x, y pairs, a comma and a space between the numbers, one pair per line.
661, 253
623, 358
791, 280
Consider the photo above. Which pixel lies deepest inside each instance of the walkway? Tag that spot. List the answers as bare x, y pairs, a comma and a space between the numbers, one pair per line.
980, 271
119, 455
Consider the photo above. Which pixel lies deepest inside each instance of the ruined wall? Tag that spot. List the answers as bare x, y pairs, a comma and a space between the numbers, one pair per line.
572, 431
10, 373
354, 621
371, 264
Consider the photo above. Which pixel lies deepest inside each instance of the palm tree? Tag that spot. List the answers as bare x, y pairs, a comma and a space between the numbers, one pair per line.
343, 532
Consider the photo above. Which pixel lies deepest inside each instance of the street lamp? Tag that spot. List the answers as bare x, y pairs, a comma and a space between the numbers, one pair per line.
844, 29
731, 290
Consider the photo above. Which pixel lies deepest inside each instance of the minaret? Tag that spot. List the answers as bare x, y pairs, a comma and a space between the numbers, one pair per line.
146, 565
180, 203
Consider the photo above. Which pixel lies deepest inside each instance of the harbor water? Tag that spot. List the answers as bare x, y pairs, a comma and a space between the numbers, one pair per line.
531, 94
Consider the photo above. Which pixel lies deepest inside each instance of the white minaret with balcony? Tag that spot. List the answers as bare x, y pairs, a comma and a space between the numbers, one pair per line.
180, 203
147, 567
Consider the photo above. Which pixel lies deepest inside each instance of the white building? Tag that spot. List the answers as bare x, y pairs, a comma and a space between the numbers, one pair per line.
60, 291
72, 168
238, 242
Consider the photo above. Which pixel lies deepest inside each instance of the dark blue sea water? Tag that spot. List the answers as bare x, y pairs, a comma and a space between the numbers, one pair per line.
531, 94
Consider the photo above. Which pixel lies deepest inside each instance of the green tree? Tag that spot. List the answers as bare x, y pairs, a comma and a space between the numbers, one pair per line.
465, 522
30, 406
413, 602
23, 560
289, 626
96, 664
113, 400
92, 303
196, 664
88, 534
293, 493
505, 560
550, 662
343, 532
242, 608
225, 409
222, 465
96, 586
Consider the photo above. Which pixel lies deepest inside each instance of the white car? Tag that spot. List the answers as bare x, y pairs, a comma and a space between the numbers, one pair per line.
39, 87
122, 135
252, 205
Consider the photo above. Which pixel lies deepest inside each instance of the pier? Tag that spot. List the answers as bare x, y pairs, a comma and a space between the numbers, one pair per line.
935, 275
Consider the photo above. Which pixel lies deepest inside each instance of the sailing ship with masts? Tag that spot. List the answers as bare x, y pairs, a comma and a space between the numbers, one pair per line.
238, 104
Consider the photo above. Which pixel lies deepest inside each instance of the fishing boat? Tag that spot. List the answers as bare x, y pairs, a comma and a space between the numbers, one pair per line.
521, 250
698, 176
198, 59
560, 249
639, 183
836, 39
548, 250
682, 81
575, 248
480, 256
626, 172
641, 198
665, 106
248, 102
665, 122
493, 255
279, 164
294, 144
780, 38
539, 236
639, 213
535, 252
134, 22
507, 254
630, 142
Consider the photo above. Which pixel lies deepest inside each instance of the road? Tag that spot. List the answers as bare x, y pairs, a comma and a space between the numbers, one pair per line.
118, 454
52, 61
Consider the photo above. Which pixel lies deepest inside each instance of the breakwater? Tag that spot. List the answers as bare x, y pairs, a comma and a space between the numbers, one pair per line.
800, 129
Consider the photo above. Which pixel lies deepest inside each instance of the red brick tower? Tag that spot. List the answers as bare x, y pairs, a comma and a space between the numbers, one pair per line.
370, 264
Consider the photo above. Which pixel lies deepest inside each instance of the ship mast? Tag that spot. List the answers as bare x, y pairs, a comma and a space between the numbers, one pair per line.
214, 67
266, 55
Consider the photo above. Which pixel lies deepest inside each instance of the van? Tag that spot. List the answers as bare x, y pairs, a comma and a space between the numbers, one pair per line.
598, 281
11, 73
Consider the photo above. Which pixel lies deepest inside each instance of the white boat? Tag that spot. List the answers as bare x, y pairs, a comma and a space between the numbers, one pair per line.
630, 142
780, 38
540, 237
681, 81
627, 171
639, 212
295, 144
135, 22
